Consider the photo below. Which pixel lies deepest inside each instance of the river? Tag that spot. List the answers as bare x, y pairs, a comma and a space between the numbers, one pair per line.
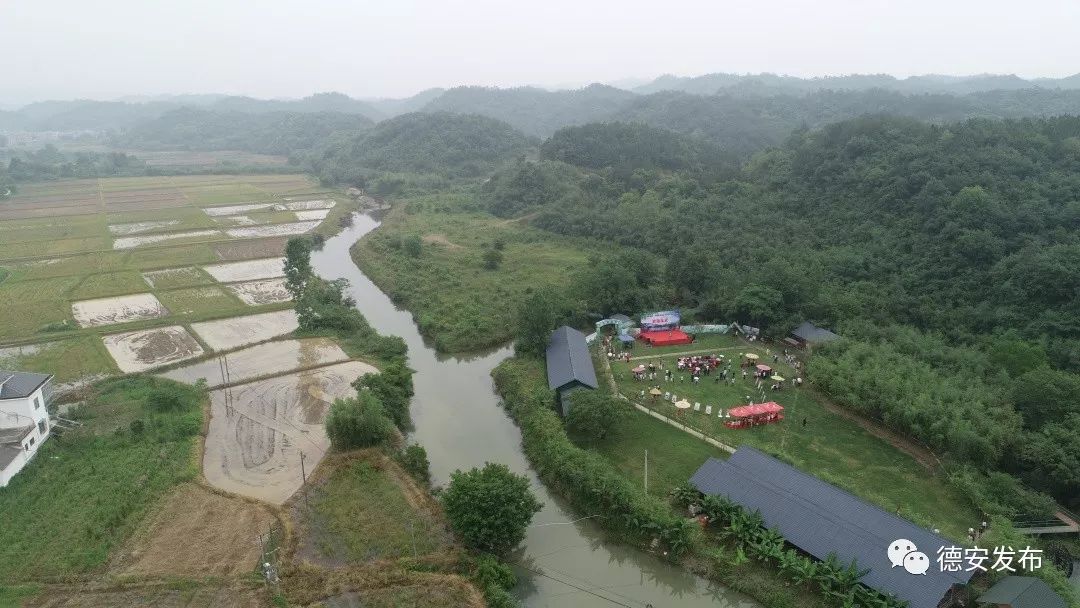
460, 422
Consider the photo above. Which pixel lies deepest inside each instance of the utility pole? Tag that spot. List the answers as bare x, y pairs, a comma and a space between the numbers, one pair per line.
646, 471
303, 476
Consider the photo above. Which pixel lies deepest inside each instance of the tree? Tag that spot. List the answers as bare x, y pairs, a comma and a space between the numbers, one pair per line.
1051, 459
492, 258
297, 266
758, 305
1046, 395
358, 423
536, 318
593, 414
414, 459
490, 508
393, 387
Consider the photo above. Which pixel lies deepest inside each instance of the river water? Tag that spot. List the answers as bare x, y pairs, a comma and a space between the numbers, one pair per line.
459, 421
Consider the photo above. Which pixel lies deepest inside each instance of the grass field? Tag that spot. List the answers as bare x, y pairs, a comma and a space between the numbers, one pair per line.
830, 446
84, 493
455, 300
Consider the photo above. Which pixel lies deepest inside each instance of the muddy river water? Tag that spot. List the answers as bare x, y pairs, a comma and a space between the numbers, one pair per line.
458, 419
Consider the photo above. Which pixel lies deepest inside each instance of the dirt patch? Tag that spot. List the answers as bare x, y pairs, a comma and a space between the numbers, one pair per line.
140, 227
258, 430
195, 532
235, 209
254, 293
262, 360
226, 334
121, 309
137, 351
271, 230
130, 242
153, 595
306, 205
314, 214
440, 239
245, 250
247, 271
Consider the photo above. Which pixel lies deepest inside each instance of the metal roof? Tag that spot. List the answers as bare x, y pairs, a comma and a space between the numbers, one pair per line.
820, 519
21, 384
568, 359
1022, 592
812, 333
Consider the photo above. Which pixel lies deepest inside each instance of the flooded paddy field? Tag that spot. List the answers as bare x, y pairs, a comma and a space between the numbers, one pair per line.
137, 351
306, 205
119, 309
140, 227
235, 209
259, 430
175, 277
251, 270
227, 334
272, 230
314, 214
257, 293
130, 242
261, 360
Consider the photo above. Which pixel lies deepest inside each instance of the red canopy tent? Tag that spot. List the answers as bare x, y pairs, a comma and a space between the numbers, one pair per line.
665, 337
763, 368
755, 413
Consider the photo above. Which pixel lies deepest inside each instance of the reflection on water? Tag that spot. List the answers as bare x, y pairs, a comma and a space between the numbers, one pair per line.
459, 421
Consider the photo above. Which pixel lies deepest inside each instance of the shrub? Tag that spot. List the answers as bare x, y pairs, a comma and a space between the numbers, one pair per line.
414, 460
358, 423
490, 507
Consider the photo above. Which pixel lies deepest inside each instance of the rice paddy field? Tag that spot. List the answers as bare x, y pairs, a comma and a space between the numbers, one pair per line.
94, 264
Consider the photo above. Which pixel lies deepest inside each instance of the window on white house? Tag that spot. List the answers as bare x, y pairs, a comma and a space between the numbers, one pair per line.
37, 402
43, 426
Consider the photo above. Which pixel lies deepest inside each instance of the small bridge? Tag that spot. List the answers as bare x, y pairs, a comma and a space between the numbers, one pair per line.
1062, 523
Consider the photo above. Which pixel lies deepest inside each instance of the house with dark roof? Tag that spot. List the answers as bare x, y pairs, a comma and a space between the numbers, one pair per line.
569, 365
24, 419
821, 519
1021, 592
808, 334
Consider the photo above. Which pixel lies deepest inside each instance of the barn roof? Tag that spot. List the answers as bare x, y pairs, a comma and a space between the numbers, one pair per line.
19, 385
1022, 592
820, 519
568, 359
809, 332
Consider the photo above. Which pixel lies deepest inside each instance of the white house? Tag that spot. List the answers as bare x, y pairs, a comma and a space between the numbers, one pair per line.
24, 420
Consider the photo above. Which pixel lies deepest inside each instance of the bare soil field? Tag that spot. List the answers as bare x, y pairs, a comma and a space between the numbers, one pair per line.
195, 532
257, 293
137, 351
244, 250
121, 309
258, 431
262, 360
250, 270
226, 334
272, 230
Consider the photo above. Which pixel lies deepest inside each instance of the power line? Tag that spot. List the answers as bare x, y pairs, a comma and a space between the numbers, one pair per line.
573, 586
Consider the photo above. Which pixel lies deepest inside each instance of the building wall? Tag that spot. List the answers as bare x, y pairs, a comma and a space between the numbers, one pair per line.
31, 409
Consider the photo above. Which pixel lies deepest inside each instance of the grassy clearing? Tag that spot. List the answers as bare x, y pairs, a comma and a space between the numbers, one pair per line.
830, 446
109, 284
13, 596
199, 302
47, 246
86, 491
455, 300
362, 514
68, 359
179, 277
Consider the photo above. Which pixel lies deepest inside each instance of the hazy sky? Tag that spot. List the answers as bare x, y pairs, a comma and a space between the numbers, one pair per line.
292, 48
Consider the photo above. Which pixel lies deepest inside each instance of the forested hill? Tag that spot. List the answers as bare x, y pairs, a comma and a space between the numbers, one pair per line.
534, 111
445, 143
264, 132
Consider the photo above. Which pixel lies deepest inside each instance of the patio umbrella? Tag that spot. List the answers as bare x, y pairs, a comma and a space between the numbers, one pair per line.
655, 392
776, 378
682, 404
752, 356
639, 369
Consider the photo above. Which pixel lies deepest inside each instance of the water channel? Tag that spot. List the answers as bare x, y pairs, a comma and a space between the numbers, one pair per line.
459, 421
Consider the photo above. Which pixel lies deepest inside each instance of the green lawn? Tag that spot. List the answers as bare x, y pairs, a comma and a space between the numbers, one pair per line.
86, 491
360, 514
829, 446
455, 300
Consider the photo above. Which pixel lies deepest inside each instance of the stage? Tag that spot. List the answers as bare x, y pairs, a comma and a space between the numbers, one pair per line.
665, 337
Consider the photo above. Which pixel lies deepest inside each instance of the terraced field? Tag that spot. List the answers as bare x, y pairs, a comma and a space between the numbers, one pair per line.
74, 253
